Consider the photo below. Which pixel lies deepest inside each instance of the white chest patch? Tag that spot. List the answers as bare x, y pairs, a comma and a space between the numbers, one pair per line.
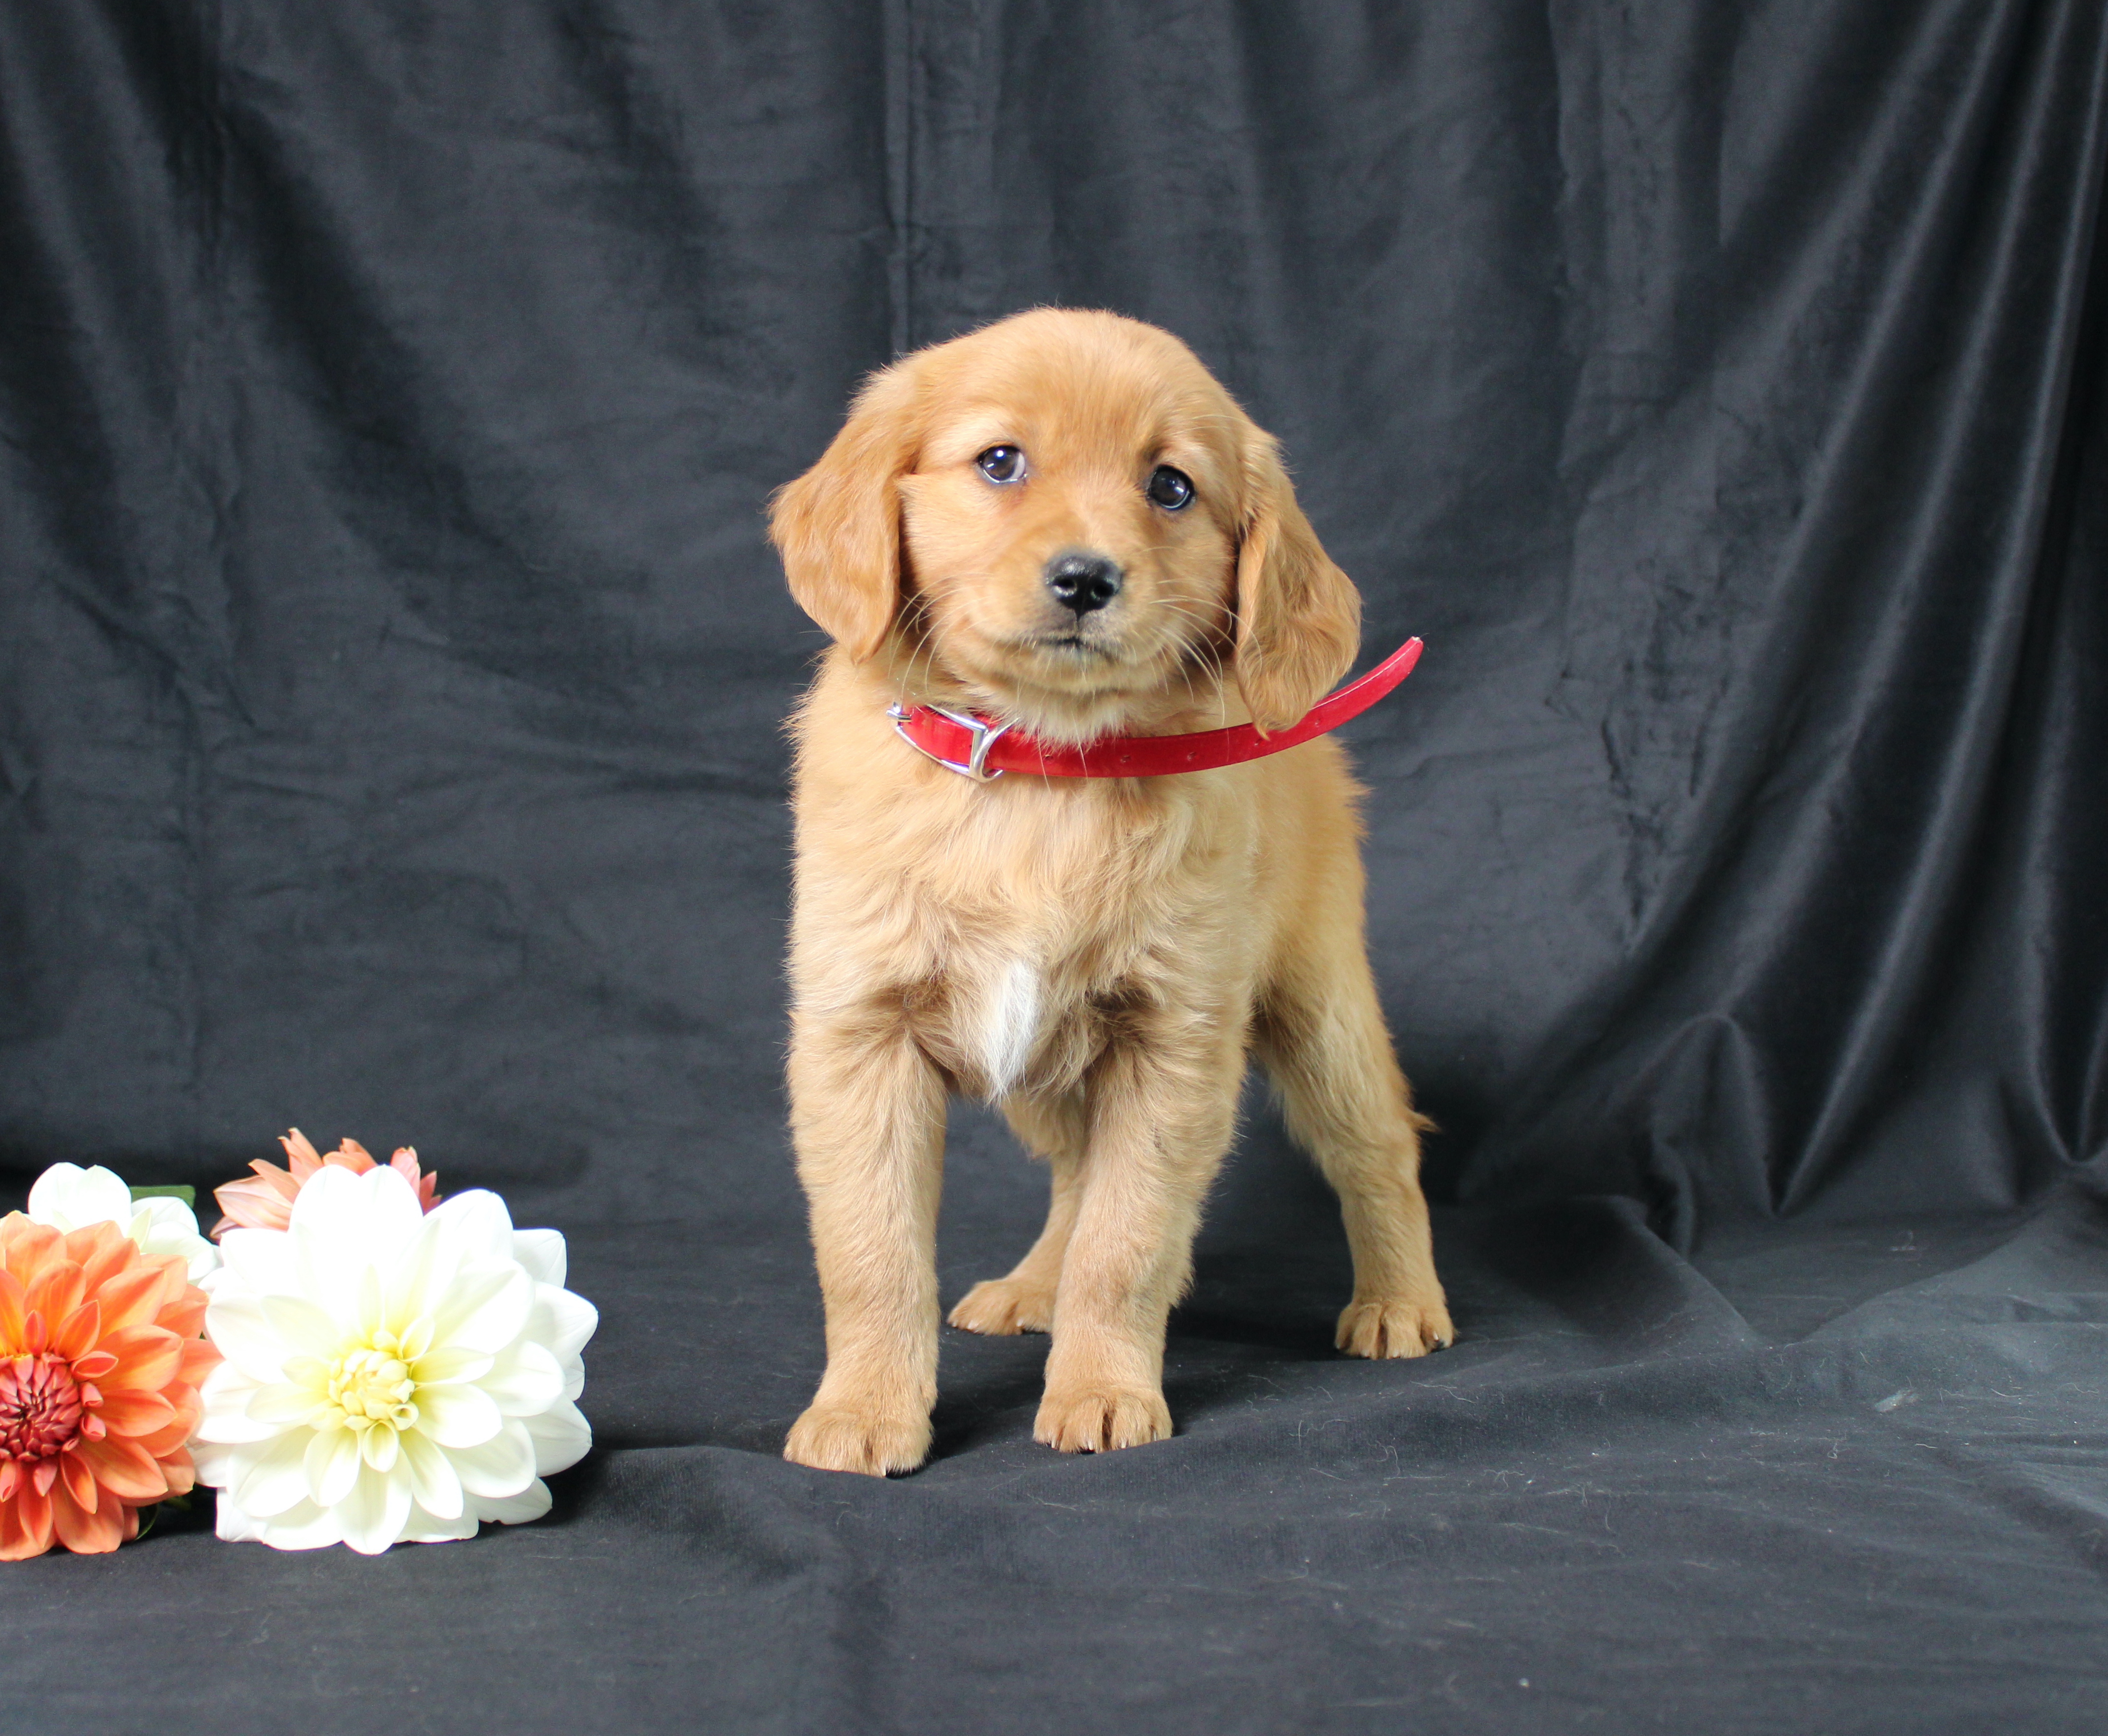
1010, 1027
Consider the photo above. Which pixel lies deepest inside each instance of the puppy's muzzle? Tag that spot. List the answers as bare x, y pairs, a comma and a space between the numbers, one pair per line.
1082, 582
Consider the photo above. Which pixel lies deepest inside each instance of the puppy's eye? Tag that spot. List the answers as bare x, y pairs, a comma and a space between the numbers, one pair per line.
1002, 464
1169, 489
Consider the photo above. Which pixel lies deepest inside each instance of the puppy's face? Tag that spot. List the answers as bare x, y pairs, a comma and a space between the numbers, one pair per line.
1065, 517
1070, 523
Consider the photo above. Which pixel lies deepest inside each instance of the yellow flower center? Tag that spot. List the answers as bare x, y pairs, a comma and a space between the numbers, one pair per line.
373, 1385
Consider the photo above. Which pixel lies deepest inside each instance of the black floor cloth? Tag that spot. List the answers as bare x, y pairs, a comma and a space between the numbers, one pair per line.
1850, 1479
391, 675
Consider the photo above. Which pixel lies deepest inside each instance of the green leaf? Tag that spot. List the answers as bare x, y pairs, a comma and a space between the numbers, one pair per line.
182, 1190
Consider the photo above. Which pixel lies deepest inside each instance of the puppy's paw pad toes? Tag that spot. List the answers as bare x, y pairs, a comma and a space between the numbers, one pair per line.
1002, 1308
1394, 1328
872, 1444
1102, 1422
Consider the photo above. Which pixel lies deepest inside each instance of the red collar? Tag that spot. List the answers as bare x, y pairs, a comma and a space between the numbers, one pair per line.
980, 749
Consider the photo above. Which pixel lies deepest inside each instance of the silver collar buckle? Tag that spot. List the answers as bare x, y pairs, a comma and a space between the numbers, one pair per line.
984, 735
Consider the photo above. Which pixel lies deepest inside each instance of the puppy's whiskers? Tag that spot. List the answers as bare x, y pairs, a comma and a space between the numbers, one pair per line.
916, 624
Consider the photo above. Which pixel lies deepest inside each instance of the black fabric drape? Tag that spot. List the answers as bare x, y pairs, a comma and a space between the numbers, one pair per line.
391, 666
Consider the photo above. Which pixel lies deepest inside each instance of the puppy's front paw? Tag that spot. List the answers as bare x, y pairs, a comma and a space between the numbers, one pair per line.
1394, 1326
1101, 1422
840, 1437
1002, 1306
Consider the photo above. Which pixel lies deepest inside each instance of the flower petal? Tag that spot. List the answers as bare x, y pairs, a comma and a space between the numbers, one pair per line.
68, 1197
303, 1526
147, 1358
91, 1532
561, 1320
524, 1380
542, 1252
239, 1326
172, 1228
380, 1446
60, 1288
478, 1221
225, 1395
487, 1307
135, 1413
305, 1328
177, 1468
103, 1242
185, 1316
522, 1509
79, 1331
424, 1528
449, 1363
251, 1203
216, 1465
432, 1482
381, 1205
502, 1465
14, 1309
288, 1406
51, 1192
561, 1437
27, 1245
424, 1276
124, 1468
276, 1476
165, 1442
260, 1258
372, 1304
335, 1238
328, 1196
129, 1299
374, 1513
25, 1526
114, 1255
332, 1464
74, 1471
458, 1416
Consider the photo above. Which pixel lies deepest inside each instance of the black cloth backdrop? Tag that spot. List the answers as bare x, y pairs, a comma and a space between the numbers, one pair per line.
389, 745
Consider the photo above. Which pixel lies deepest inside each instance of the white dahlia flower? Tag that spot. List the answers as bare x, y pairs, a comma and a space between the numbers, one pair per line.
68, 1198
390, 1374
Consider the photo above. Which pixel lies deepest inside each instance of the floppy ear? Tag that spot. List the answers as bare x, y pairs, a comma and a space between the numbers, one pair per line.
1298, 617
838, 526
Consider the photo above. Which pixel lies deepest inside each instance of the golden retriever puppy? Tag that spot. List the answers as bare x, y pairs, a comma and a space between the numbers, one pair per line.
1062, 523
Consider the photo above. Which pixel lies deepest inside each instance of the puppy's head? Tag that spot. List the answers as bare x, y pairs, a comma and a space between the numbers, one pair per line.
1063, 519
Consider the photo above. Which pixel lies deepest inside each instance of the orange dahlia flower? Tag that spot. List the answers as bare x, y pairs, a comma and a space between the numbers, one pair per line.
265, 1201
100, 1362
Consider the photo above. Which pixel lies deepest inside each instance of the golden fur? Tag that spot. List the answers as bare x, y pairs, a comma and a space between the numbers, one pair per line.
1099, 956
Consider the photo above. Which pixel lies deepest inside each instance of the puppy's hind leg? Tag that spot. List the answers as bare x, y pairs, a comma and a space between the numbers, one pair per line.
1321, 1037
1023, 1301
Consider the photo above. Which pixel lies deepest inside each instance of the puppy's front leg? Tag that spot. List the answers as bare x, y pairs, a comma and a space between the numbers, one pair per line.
1160, 1124
867, 1115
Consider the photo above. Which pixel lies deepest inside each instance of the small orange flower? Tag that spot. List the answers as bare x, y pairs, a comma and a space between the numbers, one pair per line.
100, 1362
266, 1203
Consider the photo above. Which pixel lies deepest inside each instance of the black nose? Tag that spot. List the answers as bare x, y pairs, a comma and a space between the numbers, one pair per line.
1082, 582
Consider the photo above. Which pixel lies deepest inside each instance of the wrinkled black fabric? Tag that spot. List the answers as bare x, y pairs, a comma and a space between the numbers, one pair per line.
391, 670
